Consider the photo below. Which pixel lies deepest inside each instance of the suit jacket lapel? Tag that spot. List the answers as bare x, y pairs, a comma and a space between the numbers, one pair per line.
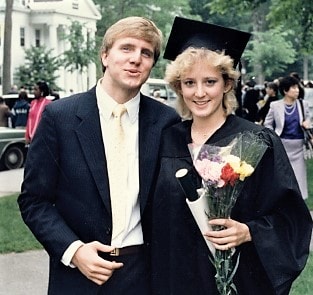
149, 140
90, 138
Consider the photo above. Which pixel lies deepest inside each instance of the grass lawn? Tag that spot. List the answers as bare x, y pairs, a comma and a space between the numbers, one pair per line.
310, 183
14, 234
16, 237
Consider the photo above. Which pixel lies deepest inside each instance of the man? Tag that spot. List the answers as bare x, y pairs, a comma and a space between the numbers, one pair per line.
65, 197
5, 113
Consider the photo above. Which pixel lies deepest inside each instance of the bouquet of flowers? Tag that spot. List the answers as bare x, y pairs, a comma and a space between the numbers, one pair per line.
223, 170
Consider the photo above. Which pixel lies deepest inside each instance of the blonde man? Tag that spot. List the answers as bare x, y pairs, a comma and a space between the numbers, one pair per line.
66, 197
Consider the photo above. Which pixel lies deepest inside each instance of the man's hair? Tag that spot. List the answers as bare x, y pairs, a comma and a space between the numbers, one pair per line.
134, 27
186, 60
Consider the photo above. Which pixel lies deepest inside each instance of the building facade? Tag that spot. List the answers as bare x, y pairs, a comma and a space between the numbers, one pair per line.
42, 23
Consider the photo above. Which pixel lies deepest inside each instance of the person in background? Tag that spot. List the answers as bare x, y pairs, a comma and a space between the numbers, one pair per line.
157, 95
67, 197
55, 95
13, 90
300, 84
271, 89
250, 101
5, 113
270, 224
286, 118
20, 110
41, 91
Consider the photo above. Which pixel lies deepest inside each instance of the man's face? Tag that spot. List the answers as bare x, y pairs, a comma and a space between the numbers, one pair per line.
128, 64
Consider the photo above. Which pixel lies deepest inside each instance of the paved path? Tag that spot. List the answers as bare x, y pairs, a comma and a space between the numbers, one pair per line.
10, 181
21, 273
24, 273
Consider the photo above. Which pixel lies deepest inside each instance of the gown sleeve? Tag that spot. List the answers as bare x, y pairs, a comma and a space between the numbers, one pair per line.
280, 222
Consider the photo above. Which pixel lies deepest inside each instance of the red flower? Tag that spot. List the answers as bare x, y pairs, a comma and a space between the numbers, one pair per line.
229, 175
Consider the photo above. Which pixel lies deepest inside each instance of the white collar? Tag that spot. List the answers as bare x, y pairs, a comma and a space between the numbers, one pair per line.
106, 104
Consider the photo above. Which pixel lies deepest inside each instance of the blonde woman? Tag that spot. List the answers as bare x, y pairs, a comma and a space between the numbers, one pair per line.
270, 225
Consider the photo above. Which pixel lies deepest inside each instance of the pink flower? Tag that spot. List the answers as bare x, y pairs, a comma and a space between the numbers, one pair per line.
210, 171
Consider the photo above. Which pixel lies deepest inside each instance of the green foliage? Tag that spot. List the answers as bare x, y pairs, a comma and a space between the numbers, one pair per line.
40, 65
298, 15
82, 51
241, 6
272, 50
309, 201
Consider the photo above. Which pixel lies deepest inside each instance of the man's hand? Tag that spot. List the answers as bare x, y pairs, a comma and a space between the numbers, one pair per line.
90, 264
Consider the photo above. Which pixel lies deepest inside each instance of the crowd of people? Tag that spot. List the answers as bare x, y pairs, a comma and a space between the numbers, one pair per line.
70, 196
25, 112
282, 105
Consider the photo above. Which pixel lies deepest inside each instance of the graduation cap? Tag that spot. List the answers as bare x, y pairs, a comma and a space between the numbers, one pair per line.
191, 33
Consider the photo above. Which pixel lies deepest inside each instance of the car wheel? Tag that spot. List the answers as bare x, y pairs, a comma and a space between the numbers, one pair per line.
13, 157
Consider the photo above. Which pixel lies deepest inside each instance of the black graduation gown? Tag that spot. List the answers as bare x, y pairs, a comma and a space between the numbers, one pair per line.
270, 204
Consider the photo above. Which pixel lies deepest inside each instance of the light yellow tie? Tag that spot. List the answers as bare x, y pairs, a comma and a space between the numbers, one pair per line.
117, 169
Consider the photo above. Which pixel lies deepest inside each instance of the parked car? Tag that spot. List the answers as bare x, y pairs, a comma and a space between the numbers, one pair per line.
10, 99
12, 148
165, 91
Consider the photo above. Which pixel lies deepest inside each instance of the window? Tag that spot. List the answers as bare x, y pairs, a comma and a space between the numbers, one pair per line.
22, 37
75, 4
37, 38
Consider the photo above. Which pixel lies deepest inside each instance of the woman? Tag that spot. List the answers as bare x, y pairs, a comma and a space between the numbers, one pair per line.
286, 118
41, 91
270, 225
271, 90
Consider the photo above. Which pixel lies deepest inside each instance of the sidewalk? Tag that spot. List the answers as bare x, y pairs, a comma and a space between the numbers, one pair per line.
10, 181
24, 273
21, 273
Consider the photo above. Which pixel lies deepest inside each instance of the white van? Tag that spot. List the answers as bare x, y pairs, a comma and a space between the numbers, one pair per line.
166, 92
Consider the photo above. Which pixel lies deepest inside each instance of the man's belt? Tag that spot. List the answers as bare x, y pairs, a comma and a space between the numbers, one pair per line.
126, 250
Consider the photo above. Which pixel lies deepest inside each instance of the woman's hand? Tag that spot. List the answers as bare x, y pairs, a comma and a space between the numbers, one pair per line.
306, 124
234, 234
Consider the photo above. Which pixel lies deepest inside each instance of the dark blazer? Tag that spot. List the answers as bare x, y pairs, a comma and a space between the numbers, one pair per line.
65, 193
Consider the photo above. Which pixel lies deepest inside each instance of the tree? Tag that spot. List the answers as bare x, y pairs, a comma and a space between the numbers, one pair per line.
40, 65
82, 50
298, 15
7, 41
272, 56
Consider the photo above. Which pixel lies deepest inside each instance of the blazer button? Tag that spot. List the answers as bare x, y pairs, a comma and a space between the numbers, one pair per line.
108, 231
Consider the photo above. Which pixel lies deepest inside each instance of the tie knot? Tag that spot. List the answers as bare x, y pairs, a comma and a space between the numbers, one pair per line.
119, 110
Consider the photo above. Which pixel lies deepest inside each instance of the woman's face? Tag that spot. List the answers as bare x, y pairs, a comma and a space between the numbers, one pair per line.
293, 92
36, 91
203, 88
270, 91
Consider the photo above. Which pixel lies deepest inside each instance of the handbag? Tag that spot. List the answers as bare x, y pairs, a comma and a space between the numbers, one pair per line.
308, 138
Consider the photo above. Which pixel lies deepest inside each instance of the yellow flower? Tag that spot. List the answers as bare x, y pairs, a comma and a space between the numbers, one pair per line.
245, 170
